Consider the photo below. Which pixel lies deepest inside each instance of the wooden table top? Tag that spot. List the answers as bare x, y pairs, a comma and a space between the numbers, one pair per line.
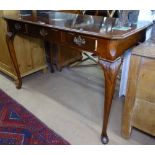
111, 28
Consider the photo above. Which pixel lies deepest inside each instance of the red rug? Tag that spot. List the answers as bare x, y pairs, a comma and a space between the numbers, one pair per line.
19, 126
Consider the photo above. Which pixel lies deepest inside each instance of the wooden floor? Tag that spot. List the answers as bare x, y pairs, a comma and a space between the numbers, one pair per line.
71, 102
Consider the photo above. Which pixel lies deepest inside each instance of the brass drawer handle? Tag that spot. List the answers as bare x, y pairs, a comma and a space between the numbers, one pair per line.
43, 32
79, 41
17, 26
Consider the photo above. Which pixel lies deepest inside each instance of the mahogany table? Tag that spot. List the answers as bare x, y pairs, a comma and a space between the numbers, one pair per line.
100, 35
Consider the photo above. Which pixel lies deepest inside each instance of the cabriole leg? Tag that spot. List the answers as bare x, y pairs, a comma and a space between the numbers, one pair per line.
110, 70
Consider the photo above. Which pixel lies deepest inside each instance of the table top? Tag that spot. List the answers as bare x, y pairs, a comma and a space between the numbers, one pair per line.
99, 26
146, 49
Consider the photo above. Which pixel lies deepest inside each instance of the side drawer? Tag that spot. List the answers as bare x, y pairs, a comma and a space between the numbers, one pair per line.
15, 26
79, 41
48, 33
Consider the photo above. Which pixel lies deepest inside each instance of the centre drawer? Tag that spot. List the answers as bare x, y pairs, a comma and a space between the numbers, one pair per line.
45, 32
79, 41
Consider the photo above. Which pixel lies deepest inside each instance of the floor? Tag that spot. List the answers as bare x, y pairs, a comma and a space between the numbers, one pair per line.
71, 102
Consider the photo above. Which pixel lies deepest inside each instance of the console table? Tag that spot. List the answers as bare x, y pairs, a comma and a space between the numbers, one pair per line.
99, 35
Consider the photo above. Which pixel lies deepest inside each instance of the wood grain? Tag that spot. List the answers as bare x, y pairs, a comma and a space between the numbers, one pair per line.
5, 61
29, 51
130, 96
139, 107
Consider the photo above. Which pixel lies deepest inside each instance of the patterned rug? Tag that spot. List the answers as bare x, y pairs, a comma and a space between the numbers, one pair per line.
19, 126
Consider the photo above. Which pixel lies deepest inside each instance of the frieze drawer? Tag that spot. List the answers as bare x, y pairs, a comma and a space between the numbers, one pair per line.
80, 41
45, 32
15, 26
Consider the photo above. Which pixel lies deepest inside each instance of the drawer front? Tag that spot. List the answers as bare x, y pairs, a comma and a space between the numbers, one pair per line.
15, 26
45, 32
80, 41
